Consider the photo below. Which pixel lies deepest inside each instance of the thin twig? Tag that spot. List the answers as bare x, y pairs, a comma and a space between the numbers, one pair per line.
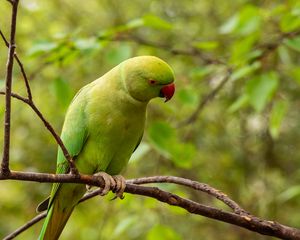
29, 94
27, 225
192, 184
73, 168
17, 96
8, 84
246, 221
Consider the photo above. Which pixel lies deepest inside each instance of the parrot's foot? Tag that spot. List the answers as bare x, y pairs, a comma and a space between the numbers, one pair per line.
120, 185
115, 183
109, 182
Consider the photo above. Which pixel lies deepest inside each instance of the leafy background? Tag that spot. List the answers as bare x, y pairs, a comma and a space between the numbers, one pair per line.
244, 142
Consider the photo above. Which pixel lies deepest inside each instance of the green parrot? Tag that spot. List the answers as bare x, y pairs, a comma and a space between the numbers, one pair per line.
103, 126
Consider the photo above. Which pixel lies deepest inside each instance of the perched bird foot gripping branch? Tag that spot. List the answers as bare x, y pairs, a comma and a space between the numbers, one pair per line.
115, 183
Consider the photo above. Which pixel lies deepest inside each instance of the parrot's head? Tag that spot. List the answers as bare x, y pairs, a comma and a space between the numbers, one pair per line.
147, 77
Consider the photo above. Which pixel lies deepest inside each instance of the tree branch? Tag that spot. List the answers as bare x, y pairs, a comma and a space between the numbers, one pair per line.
23, 228
241, 219
73, 168
29, 94
8, 84
203, 187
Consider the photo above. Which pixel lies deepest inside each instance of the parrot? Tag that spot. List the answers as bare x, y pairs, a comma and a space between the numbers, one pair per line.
103, 126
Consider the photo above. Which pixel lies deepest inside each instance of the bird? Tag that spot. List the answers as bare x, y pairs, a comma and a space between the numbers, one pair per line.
103, 126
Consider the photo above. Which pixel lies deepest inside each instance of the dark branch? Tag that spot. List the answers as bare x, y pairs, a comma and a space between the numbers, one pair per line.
243, 220
14, 95
8, 84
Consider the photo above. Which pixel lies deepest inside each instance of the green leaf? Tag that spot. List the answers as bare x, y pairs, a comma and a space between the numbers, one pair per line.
261, 89
135, 23
208, 45
284, 55
200, 72
239, 103
230, 25
62, 92
296, 10
279, 110
245, 71
188, 96
124, 224
161, 135
156, 22
165, 140
289, 194
118, 54
183, 154
250, 20
295, 72
289, 23
242, 49
247, 21
161, 232
87, 44
293, 43
41, 47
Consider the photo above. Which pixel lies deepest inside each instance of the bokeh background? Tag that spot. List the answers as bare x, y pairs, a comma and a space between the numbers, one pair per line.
245, 141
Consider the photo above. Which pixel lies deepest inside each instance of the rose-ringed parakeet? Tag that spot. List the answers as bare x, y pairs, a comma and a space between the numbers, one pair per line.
103, 126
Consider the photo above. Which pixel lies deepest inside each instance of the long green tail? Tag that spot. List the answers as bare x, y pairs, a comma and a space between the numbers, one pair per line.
55, 222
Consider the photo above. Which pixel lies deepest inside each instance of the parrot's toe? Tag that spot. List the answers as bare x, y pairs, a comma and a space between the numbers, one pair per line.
109, 182
115, 183
120, 186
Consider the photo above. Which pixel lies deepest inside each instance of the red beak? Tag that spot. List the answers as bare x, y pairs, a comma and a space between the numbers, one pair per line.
168, 91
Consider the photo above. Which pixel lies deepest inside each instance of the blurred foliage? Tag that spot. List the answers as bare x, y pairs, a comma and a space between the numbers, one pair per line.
245, 141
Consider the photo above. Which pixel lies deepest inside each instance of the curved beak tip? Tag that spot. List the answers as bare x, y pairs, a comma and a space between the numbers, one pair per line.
168, 91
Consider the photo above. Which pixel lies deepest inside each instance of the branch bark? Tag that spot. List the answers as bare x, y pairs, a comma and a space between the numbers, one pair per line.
241, 219
8, 84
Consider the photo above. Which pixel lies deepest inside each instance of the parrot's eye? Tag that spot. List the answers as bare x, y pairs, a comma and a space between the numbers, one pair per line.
152, 82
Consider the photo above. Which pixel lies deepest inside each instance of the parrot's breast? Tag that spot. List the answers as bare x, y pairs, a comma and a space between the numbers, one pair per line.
114, 130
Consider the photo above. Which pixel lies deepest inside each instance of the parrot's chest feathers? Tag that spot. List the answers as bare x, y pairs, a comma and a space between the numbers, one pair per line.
114, 133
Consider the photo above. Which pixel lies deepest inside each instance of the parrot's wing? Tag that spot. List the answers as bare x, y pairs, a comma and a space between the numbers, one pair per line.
74, 136
138, 143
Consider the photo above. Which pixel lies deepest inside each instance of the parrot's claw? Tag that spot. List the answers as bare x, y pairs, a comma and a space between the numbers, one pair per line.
109, 182
115, 183
120, 185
